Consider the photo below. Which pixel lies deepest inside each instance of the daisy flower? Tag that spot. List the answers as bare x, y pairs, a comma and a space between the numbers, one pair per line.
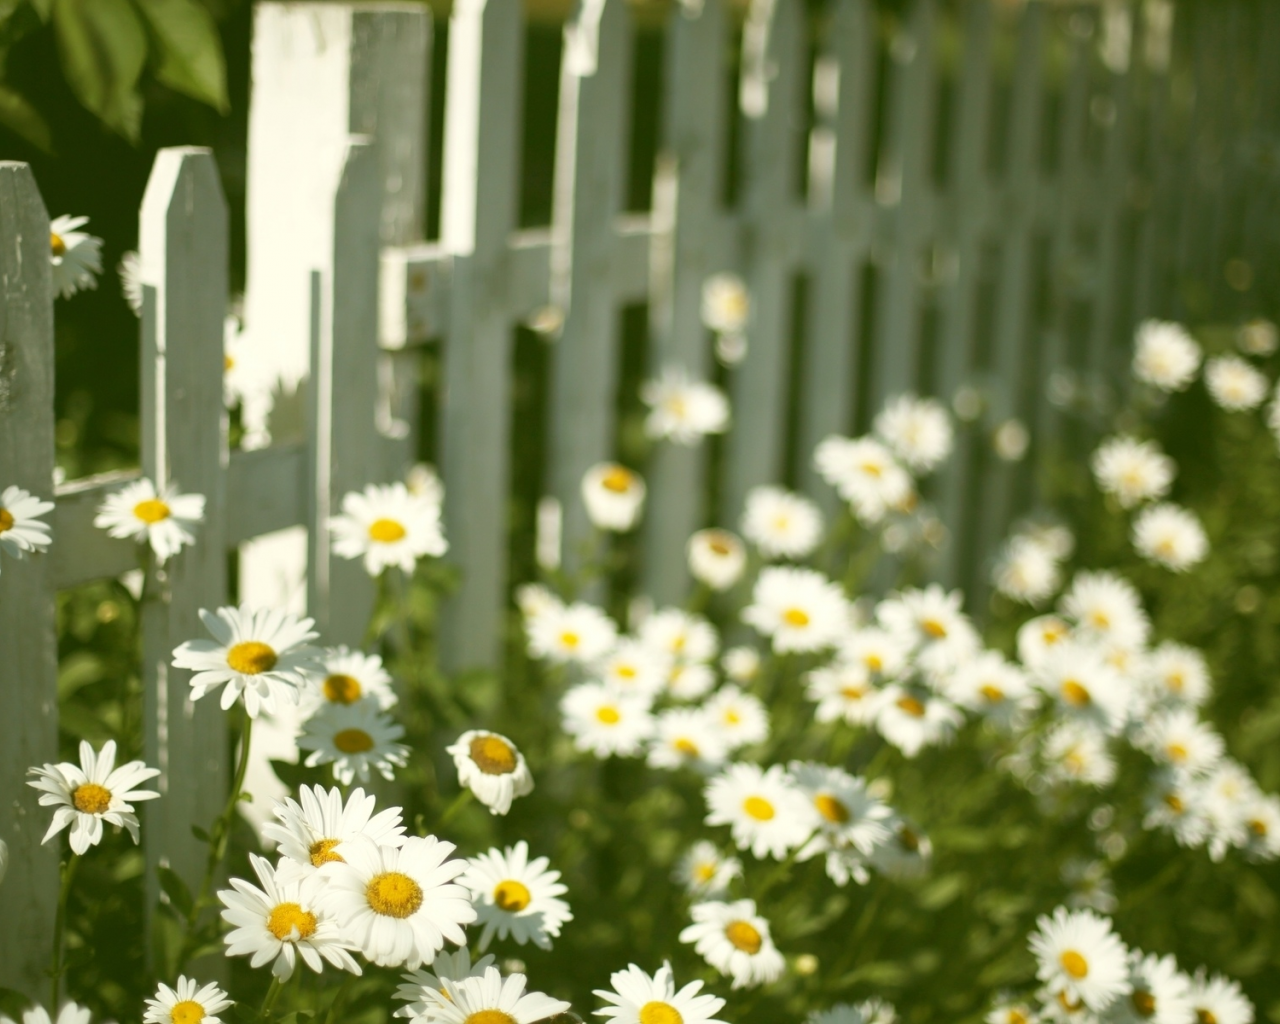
354, 738
1161, 993
735, 940
637, 998
881, 653
716, 558
281, 922
726, 304
925, 616
262, 655
781, 524
1079, 956
386, 524
491, 767
71, 1013
865, 474
842, 692
705, 871
912, 719
1010, 440
1170, 536
798, 609
906, 854
1026, 571
577, 632
851, 822
635, 667
314, 829
686, 737
768, 815
1234, 384
1262, 823
1133, 471
680, 635
1175, 804
1258, 337
604, 722
534, 600
186, 1004
488, 999
1076, 752
613, 496
1177, 674
92, 792
917, 429
740, 718
1011, 1013
1085, 687
1178, 739
452, 966
1218, 999
990, 686
20, 527
399, 906
1038, 637
348, 676
75, 257
1165, 356
165, 519
681, 409
741, 664
1225, 798
129, 270
1107, 607
516, 896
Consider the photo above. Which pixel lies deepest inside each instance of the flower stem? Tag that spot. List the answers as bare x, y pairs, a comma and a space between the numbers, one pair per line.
59, 928
460, 801
273, 993
338, 998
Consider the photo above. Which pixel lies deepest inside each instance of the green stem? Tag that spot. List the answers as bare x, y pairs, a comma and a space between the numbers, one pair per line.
338, 998
782, 870
273, 993
59, 928
460, 801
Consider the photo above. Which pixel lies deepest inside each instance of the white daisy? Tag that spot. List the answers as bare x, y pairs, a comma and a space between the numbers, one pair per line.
917, 429
247, 379
735, 940
1011, 440
488, 999
260, 654
1225, 798
354, 738
1012, 1013
1107, 607
1038, 637
912, 719
851, 822
1026, 571
705, 871
681, 409
990, 686
516, 896
186, 1004
637, 998
452, 966
1220, 1000
613, 496
767, 813
1161, 994
129, 270
1234, 384
797, 609
347, 676
92, 792
312, 831
71, 1013
400, 905
690, 680
20, 527
680, 635
1177, 674
604, 722
281, 922
1175, 803
1079, 956
534, 600
716, 558
386, 524
1132, 470
165, 519
577, 632
741, 664
1178, 739
492, 767
843, 692
1258, 337
1077, 752
1262, 823
740, 718
726, 304
1170, 536
925, 616
75, 257
686, 737
882, 653
635, 667
1084, 686
781, 524
1165, 356
907, 853
865, 474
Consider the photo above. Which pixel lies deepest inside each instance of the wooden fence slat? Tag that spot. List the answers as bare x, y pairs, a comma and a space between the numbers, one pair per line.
1159, 170
687, 215
182, 235
591, 151
771, 95
29, 668
478, 212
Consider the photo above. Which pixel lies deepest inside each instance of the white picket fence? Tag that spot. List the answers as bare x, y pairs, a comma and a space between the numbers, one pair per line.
897, 121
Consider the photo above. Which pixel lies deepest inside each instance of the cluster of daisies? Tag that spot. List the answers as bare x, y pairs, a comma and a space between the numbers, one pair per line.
1088, 976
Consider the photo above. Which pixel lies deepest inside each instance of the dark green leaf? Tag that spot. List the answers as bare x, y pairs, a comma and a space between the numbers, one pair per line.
200, 833
21, 118
189, 49
176, 889
293, 775
103, 48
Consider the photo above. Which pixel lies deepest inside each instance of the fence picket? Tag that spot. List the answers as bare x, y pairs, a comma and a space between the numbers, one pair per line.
29, 669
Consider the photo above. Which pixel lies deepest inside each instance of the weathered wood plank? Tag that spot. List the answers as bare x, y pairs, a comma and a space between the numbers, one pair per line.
29, 669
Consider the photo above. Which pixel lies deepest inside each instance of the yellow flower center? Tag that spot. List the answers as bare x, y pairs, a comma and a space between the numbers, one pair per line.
1144, 1003
386, 531
1016, 1017
1173, 802
911, 706
618, 479
731, 717
570, 639
626, 671
1175, 681
831, 808
686, 746
6, 520
743, 936
285, 917
1258, 827
758, 807
91, 798
660, 1013
1176, 752
934, 628
704, 872
489, 1017
56, 245
1074, 964
493, 756
1205, 1016
511, 896
251, 657
342, 689
717, 545
853, 692
1075, 694
353, 741
797, 617
874, 662
227, 363
873, 469
608, 714
1100, 619
153, 510
393, 894
992, 693
188, 1011
908, 840
322, 852
1065, 1002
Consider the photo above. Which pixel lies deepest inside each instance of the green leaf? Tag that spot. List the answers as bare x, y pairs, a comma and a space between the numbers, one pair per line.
189, 49
103, 47
200, 833
21, 118
176, 889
